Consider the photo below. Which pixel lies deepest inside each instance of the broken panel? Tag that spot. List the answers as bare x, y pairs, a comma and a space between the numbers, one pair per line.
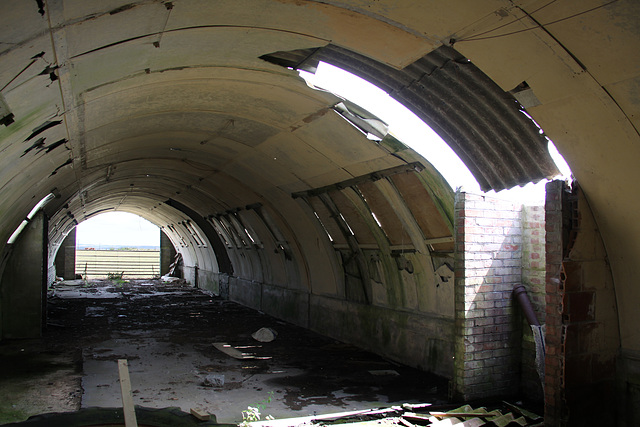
471, 113
425, 211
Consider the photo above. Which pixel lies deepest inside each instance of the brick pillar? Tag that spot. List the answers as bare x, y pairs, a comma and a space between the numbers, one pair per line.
487, 266
554, 338
582, 321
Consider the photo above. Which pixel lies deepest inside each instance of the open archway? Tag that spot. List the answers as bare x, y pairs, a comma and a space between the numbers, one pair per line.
191, 114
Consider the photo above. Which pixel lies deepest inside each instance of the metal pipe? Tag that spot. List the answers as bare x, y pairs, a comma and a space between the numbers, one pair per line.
520, 293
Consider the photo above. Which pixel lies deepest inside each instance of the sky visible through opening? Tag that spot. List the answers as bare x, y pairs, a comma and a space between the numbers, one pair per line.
117, 229
412, 131
124, 229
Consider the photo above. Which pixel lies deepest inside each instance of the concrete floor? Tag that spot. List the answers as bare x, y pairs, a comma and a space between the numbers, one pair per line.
167, 333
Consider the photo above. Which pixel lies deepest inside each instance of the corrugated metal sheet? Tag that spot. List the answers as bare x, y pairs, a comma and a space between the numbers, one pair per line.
483, 124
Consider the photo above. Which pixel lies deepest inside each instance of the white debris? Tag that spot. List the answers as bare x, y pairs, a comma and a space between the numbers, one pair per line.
264, 335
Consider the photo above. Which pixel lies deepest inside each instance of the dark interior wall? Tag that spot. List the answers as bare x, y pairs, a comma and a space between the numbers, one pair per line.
24, 282
628, 388
383, 282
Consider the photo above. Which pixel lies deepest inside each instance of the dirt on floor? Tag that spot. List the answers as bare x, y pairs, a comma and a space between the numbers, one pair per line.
167, 332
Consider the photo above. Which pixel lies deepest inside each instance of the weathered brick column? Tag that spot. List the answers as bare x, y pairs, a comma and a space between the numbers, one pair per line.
487, 266
554, 340
582, 336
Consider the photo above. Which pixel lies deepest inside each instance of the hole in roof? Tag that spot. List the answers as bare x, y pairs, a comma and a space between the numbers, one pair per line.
413, 132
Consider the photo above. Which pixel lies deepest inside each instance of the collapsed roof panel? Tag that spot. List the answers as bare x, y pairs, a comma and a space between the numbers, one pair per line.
483, 124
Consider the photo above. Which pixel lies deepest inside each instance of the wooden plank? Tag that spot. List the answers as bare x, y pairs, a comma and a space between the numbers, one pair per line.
201, 415
127, 397
436, 240
230, 351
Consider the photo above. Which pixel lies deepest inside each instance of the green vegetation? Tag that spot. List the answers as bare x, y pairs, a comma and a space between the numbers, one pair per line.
252, 413
115, 276
10, 413
117, 279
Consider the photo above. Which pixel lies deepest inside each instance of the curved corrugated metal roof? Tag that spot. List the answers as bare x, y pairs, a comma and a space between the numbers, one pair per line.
482, 123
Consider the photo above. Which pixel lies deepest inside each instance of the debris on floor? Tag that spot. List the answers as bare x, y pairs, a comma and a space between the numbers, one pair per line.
413, 415
167, 332
232, 351
213, 380
163, 417
201, 415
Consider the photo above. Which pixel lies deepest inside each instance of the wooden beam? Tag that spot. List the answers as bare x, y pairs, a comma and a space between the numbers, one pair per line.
127, 397
374, 176
436, 240
201, 415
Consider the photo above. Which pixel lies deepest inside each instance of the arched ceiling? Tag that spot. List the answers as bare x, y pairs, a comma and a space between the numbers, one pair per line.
127, 105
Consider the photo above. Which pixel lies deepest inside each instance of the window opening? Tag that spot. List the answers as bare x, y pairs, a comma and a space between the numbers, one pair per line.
117, 243
217, 225
385, 214
240, 229
240, 243
194, 234
323, 227
249, 235
183, 243
347, 224
373, 214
